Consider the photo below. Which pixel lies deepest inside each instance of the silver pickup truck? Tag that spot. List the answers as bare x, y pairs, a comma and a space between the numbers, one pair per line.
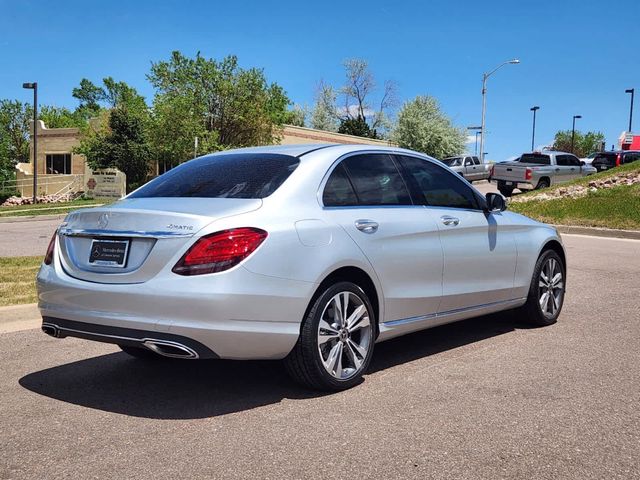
469, 167
538, 170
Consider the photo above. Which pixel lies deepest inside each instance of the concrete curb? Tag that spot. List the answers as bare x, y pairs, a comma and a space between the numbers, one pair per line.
19, 317
32, 218
599, 232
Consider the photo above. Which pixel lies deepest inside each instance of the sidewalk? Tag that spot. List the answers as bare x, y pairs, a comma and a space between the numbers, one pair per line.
19, 317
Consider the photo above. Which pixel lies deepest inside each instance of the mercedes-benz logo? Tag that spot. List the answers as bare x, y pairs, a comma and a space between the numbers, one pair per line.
103, 220
97, 251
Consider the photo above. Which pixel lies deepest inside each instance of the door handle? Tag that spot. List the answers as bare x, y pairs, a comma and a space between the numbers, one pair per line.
448, 220
367, 226
557, 169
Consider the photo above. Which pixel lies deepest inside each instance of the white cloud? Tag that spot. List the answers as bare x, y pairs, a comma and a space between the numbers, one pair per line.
471, 139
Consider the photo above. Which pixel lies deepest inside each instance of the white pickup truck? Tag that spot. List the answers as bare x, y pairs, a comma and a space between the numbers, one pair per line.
538, 170
469, 167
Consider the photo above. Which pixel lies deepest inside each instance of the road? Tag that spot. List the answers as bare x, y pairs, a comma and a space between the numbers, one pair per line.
32, 237
485, 398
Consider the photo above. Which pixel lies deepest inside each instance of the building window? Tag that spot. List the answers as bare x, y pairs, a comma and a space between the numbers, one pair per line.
59, 163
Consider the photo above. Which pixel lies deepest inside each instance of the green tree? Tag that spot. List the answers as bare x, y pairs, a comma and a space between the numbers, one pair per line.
297, 116
352, 105
219, 102
15, 121
583, 144
324, 115
60, 117
119, 140
422, 126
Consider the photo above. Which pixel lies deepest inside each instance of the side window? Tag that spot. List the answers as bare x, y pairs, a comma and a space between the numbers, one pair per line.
438, 187
377, 180
468, 162
476, 160
573, 161
338, 191
562, 160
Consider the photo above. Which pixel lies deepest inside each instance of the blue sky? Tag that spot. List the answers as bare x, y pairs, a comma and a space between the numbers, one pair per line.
578, 57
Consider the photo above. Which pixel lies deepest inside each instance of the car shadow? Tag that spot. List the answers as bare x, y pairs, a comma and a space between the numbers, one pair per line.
181, 389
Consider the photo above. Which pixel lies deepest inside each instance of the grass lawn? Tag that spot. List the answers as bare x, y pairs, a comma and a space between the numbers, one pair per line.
618, 207
49, 208
18, 280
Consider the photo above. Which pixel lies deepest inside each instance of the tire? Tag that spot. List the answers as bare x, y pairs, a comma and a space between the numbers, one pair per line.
543, 183
140, 353
338, 362
538, 311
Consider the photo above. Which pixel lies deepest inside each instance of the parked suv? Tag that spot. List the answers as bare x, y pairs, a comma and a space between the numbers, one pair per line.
608, 160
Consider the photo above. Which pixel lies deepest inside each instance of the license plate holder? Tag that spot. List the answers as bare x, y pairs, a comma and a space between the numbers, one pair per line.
109, 253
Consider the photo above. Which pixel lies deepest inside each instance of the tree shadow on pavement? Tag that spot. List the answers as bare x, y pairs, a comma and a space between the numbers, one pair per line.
182, 389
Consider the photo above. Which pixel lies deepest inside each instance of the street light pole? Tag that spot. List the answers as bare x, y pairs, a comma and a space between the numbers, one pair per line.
631, 91
533, 133
476, 149
34, 86
485, 76
573, 130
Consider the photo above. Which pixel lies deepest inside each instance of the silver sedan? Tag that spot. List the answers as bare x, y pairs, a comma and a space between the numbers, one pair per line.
307, 253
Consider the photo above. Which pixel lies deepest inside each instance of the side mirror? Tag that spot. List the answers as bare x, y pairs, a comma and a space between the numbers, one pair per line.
582, 162
495, 202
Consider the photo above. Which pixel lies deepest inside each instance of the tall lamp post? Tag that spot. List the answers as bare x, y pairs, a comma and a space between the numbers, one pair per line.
533, 133
631, 91
573, 130
34, 86
476, 150
485, 76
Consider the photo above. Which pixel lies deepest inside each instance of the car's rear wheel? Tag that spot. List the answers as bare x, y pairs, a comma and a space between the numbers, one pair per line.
141, 353
543, 183
336, 340
546, 292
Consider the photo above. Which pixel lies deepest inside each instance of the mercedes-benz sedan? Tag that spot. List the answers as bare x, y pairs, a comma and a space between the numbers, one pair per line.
307, 253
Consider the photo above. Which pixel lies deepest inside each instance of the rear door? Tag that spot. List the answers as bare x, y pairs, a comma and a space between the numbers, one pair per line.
368, 197
479, 248
566, 169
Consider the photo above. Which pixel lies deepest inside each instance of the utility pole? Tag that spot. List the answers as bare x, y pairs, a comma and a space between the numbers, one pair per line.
34, 86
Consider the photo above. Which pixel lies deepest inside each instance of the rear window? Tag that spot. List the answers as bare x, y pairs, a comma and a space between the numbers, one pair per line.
233, 175
605, 159
537, 159
453, 161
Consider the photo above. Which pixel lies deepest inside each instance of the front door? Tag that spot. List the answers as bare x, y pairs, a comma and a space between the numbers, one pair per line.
479, 249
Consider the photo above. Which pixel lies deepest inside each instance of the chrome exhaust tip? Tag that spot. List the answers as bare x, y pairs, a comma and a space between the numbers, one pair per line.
170, 349
51, 330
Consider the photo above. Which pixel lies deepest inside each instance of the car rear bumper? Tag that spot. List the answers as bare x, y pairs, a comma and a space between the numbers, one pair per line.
236, 315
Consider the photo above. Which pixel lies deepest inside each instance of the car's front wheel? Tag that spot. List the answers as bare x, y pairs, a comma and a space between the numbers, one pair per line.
546, 292
336, 340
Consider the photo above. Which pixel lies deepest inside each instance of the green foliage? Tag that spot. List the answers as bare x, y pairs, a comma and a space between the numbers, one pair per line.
61, 117
584, 144
352, 104
356, 126
219, 102
15, 120
422, 126
121, 143
297, 116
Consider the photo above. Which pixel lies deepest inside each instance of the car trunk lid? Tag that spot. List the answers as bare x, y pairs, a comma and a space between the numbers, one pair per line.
133, 239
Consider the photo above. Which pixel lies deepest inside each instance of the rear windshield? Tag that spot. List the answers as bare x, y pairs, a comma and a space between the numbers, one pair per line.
605, 159
535, 158
233, 175
453, 161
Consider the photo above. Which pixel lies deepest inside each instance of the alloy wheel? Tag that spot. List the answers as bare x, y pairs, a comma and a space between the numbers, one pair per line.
344, 335
551, 288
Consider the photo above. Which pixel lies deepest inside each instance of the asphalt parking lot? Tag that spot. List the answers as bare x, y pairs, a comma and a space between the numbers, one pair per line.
485, 398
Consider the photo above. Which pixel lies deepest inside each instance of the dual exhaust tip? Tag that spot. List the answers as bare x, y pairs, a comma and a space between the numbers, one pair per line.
166, 348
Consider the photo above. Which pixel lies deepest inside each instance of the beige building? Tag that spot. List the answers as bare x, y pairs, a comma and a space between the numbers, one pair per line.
59, 169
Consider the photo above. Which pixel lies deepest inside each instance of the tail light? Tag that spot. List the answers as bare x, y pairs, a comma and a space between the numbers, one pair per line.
528, 174
618, 160
48, 258
219, 251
